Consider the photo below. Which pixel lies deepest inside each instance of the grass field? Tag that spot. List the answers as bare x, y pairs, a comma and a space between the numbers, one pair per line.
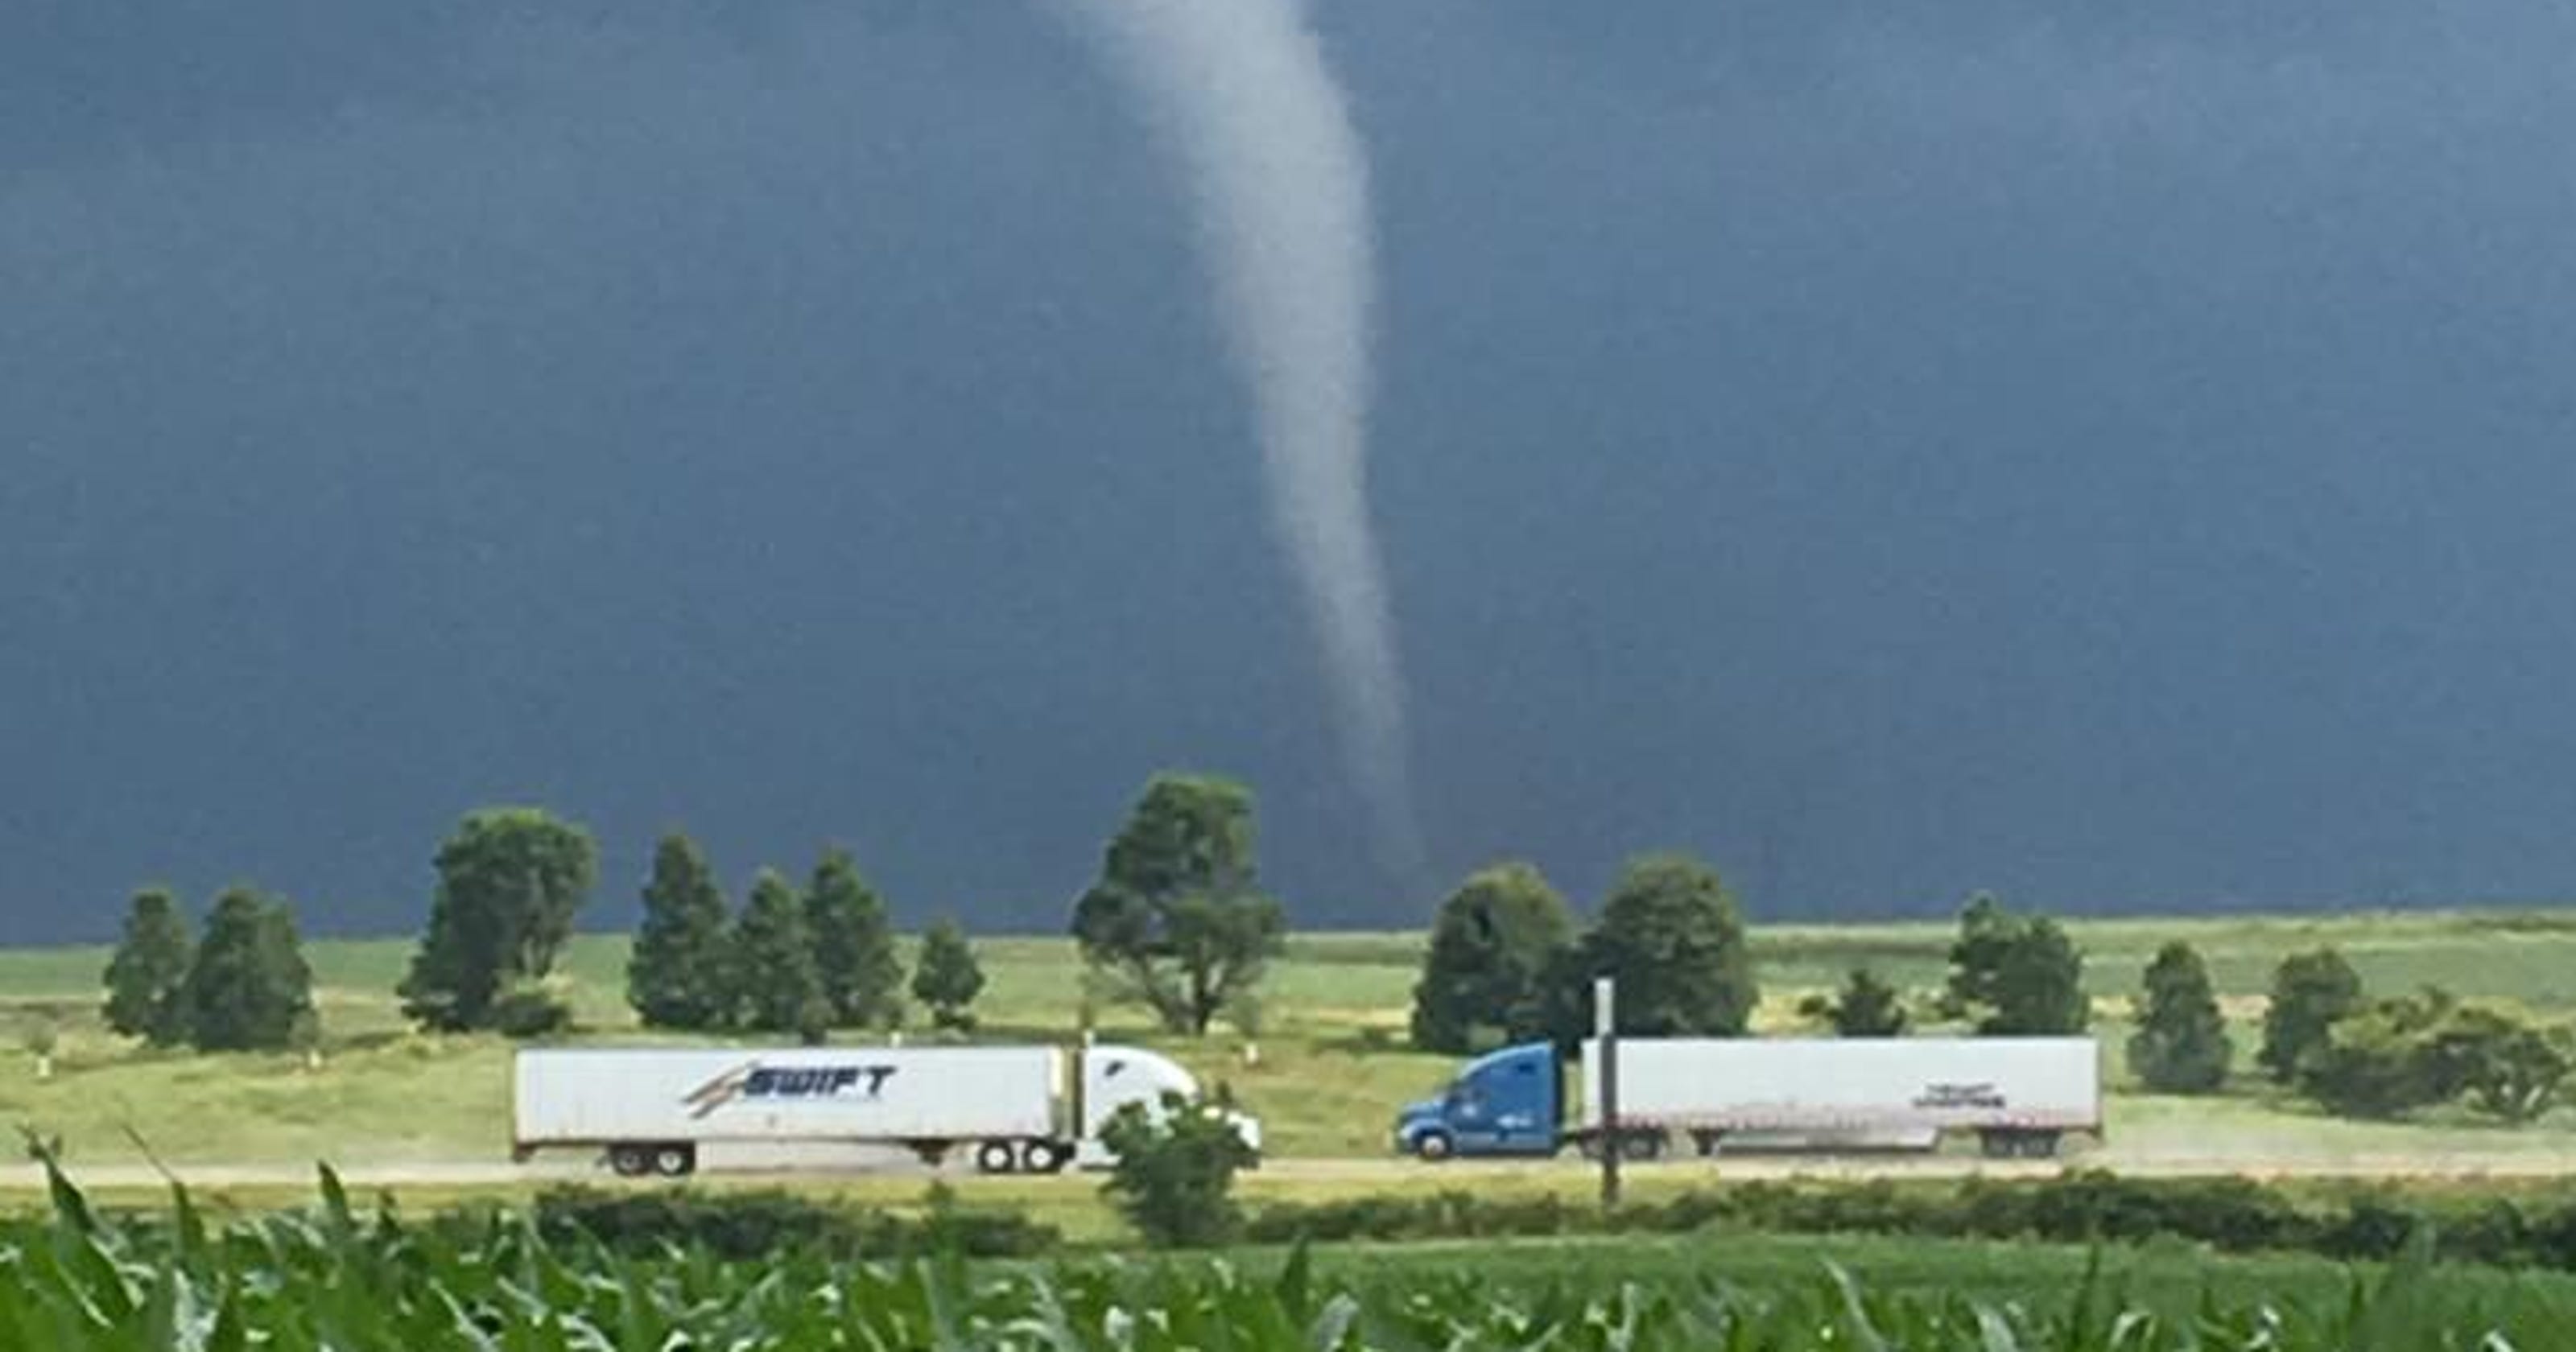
1331, 1071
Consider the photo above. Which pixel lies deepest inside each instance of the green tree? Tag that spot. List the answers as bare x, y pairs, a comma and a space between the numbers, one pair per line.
2381, 1061
1865, 1007
854, 952
780, 992
1977, 957
2015, 975
510, 881
947, 977
1176, 919
2506, 1067
2310, 992
248, 984
1173, 1171
1495, 946
1673, 939
2043, 986
2181, 1044
680, 974
146, 976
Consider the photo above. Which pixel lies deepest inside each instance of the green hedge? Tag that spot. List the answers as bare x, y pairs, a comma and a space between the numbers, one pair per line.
772, 1222
2234, 1215
2237, 1215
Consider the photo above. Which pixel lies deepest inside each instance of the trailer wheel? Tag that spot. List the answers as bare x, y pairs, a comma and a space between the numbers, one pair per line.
1641, 1145
629, 1161
996, 1157
1433, 1147
1044, 1157
675, 1161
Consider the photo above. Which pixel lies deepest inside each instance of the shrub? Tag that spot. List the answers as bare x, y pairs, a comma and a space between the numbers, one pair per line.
774, 1223
2506, 1068
1173, 1176
2382, 1062
530, 1012
1865, 1007
2549, 1237
2231, 1214
2373, 1226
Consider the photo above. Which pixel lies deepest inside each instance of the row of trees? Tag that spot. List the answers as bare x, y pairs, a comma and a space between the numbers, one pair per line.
796, 961
1506, 963
2325, 1037
244, 986
510, 882
1177, 922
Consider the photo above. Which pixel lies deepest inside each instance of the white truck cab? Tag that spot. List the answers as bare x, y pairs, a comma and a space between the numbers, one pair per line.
1115, 1076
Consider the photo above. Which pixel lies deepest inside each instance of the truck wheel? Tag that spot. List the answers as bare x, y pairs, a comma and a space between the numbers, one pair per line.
1642, 1145
629, 1161
1044, 1157
996, 1157
1434, 1147
675, 1161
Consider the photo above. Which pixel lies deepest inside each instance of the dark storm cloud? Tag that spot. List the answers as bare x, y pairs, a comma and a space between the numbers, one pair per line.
2116, 459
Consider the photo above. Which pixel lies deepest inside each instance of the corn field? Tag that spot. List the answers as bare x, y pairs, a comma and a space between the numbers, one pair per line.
333, 1278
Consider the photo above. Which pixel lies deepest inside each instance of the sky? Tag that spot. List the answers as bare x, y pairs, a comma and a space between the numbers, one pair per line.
2117, 460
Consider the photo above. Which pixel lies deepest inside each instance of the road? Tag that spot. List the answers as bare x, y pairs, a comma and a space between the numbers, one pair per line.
1355, 1173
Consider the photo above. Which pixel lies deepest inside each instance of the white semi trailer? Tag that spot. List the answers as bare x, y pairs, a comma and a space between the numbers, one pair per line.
1031, 1109
2019, 1096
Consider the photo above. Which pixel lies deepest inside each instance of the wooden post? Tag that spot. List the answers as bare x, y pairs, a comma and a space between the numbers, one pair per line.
1605, 1031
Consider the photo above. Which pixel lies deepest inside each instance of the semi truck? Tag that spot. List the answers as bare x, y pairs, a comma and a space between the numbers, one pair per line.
1016, 1109
2019, 1096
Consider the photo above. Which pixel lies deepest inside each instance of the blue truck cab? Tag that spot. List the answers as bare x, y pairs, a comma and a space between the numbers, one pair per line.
1505, 1102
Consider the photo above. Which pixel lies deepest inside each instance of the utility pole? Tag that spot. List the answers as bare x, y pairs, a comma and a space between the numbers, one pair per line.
1605, 1033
